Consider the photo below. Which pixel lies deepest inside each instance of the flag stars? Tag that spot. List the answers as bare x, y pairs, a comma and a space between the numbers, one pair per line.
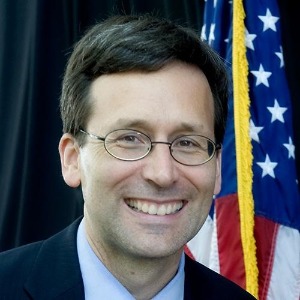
269, 21
261, 76
291, 148
267, 167
203, 33
277, 112
211, 36
249, 39
280, 55
254, 131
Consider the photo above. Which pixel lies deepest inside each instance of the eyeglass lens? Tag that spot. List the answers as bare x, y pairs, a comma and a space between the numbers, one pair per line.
133, 145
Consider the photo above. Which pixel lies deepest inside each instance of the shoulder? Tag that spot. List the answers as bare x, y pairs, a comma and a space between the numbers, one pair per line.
21, 257
16, 265
39, 264
202, 282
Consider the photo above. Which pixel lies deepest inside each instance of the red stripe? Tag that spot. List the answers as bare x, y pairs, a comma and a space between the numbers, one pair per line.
265, 235
188, 252
229, 239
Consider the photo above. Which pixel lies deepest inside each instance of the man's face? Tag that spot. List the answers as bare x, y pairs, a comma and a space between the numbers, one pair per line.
165, 104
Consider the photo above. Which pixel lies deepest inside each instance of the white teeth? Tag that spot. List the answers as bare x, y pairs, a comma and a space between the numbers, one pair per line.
169, 209
154, 208
145, 208
162, 210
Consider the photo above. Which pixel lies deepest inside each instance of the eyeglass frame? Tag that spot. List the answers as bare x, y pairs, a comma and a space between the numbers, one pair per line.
103, 139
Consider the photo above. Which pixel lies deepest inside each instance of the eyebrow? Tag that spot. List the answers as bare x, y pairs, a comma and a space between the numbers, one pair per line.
140, 123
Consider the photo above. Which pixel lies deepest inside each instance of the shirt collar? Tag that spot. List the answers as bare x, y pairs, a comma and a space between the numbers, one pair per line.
99, 283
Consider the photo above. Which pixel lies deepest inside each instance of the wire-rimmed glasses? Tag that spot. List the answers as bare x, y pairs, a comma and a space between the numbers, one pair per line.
131, 145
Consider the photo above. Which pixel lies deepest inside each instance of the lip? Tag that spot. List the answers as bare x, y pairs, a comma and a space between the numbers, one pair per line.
155, 208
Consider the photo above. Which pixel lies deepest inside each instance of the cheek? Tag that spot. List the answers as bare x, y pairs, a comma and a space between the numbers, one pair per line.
101, 173
113, 172
204, 178
204, 182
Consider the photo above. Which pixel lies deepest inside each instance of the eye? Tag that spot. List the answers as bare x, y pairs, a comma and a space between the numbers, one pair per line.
130, 138
186, 142
127, 139
195, 144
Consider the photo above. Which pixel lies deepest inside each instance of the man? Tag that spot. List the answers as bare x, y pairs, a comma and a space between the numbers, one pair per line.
144, 106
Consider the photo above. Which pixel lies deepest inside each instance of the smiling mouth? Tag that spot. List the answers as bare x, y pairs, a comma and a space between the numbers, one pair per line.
155, 208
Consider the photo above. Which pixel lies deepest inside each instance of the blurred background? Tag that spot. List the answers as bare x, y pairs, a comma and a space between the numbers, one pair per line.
36, 39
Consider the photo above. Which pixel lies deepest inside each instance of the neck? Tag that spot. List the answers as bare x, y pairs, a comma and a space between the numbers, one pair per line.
143, 277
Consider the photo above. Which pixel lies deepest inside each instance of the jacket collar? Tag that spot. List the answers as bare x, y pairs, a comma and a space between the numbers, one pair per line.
57, 266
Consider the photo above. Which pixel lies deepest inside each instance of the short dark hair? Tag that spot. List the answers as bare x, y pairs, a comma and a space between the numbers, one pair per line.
143, 43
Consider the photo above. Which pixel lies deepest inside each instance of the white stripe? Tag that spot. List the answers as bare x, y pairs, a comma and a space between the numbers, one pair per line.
285, 278
214, 262
204, 245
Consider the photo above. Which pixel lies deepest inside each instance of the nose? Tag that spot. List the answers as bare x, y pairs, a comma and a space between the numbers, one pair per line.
159, 166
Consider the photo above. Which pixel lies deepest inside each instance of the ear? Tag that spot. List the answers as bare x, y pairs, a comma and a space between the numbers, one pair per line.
218, 172
69, 159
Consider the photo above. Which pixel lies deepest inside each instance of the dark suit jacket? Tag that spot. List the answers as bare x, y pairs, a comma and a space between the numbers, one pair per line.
50, 270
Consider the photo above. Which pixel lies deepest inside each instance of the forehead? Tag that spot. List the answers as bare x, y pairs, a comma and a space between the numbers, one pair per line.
177, 97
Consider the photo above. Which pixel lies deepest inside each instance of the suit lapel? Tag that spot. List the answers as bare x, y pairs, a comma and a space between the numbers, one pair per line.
195, 275
56, 272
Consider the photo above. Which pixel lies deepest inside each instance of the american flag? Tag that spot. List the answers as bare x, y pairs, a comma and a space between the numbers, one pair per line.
252, 234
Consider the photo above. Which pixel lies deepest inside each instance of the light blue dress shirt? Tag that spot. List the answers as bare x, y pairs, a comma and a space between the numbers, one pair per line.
99, 283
